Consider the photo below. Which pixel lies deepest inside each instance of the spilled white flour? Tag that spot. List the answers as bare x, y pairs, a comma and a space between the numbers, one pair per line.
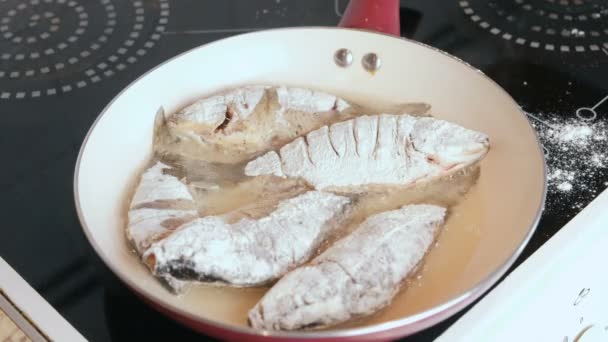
577, 158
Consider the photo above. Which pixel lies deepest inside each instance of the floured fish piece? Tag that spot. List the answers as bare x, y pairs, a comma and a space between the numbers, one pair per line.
249, 252
355, 277
239, 124
374, 150
160, 204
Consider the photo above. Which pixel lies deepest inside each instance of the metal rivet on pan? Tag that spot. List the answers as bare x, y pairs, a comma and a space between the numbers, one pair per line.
371, 62
343, 57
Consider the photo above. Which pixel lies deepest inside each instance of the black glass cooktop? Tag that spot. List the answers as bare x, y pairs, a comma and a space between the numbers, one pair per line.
62, 61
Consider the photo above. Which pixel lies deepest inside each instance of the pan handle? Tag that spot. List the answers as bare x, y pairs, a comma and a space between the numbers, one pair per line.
374, 15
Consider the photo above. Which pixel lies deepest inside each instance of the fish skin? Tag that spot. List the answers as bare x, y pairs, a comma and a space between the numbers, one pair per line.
250, 252
357, 276
374, 150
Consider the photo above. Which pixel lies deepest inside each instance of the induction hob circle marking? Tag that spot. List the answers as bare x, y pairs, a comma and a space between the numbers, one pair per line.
337, 9
590, 113
550, 33
566, 2
52, 20
134, 45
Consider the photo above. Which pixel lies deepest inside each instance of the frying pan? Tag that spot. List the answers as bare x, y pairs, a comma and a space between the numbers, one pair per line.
483, 236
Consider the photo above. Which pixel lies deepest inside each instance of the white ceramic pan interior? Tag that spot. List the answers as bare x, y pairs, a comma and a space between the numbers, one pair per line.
491, 224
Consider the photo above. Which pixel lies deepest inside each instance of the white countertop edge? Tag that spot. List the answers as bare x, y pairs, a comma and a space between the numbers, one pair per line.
34, 307
487, 313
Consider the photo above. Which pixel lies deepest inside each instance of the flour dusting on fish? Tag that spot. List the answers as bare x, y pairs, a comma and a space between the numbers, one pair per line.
249, 252
355, 277
238, 124
374, 150
161, 203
